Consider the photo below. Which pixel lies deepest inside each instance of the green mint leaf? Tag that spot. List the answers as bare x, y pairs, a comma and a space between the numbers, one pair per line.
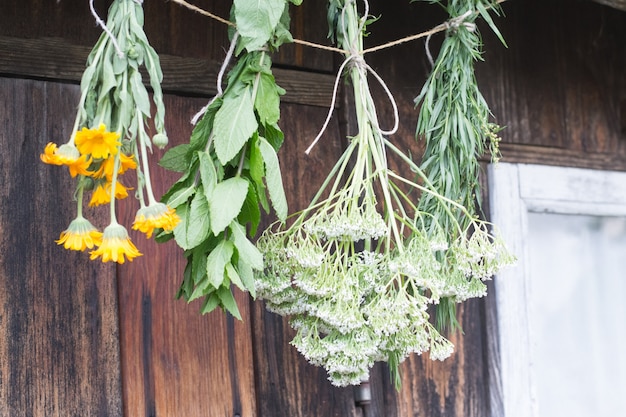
250, 211
267, 100
210, 303
247, 276
228, 301
226, 202
208, 175
198, 226
274, 179
232, 274
245, 248
256, 20
274, 136
181, 196
234, 124
176, 159
217, 260
180, 231
257, 169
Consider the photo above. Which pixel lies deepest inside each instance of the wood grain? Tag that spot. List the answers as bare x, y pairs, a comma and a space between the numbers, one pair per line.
175, 361
59, 350
57, 59
286, 384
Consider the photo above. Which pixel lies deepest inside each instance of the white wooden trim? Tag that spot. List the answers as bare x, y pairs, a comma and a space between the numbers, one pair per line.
515, 190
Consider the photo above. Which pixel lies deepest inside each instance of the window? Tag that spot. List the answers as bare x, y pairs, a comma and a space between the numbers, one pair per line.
561, 310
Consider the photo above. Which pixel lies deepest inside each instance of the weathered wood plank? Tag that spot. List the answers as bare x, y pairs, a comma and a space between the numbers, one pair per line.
175, 361
59, 351
559, 85
58, 59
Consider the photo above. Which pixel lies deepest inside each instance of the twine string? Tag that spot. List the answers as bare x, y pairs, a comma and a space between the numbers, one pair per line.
106, 30
220, 77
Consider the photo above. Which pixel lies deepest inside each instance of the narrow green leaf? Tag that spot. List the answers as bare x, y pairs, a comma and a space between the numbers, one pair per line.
257, 168
234, 276
180, 231
140, 94
228, 301
234, 124
250, 212
217, 260
207, 173
201, 289
274, 179
226, 201
181, 196
198, 227
247, 276
245, 248
210, 303
267, 100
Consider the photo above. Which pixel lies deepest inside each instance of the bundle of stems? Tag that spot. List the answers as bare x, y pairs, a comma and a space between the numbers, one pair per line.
358, 268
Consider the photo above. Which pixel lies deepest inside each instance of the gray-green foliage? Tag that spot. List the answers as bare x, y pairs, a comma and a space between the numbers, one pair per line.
454, 122
230, 166
112, 88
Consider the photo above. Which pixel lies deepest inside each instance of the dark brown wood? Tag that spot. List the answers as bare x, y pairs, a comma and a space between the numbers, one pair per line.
176, 361
567, 95
57, 59
59, 350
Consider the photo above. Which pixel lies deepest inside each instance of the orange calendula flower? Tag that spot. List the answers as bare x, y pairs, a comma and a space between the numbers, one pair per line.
80, 234
115, 246
97, 142
102, 193
66, 155
155, 216
106, 168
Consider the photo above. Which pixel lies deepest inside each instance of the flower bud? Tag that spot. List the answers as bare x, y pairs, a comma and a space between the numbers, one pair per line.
160, 140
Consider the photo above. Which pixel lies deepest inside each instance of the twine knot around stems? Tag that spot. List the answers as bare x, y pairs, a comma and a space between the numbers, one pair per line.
454, 23
355, 58
457, 22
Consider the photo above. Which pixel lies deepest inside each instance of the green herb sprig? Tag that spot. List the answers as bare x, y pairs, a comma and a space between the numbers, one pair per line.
454, 121
230, 165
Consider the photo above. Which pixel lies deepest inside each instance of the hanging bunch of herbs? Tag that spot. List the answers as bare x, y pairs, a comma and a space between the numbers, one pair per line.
111, 136
230, 165
357, 270
454, 121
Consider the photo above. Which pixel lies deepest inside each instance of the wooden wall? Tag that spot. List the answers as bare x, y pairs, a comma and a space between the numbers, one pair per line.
80, 338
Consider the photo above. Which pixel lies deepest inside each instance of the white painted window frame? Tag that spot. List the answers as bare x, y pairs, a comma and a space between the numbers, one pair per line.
514, 191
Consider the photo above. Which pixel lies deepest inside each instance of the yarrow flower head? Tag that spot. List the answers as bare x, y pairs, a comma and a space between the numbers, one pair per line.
79, 235
99, 143
68, 155
155, 216
116, 244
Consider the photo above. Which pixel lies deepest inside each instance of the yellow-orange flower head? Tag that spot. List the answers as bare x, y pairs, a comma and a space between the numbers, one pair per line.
80, 234
97, 142
66, 155
155, 216
116, 244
